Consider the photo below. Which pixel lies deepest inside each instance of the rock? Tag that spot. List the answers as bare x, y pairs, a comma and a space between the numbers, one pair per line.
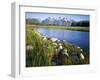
65, 52
81, 50
54, 39
82, 56
60, 47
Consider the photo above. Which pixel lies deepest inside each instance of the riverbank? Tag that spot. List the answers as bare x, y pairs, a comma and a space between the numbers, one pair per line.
45, 51
74, 28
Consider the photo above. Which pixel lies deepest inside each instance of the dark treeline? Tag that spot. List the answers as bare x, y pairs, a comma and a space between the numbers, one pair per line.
81, 23
32, 21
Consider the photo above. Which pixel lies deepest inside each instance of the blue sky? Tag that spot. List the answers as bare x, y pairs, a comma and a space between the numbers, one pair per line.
42, 16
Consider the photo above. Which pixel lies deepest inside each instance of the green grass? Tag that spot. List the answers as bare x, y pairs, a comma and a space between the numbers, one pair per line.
75, 28
43, 51
40, 54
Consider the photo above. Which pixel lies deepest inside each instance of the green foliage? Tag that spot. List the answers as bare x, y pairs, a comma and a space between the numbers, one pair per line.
74, 28
41, 52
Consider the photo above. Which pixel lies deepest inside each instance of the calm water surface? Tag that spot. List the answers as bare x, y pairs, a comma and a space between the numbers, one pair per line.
75, 37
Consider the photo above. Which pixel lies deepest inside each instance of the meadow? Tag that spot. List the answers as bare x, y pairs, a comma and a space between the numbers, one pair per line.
76, 28
45, 51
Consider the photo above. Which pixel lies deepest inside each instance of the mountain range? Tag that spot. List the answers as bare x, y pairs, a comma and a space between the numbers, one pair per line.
57, 21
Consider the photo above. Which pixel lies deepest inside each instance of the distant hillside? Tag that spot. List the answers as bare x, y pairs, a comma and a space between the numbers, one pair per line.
57, 21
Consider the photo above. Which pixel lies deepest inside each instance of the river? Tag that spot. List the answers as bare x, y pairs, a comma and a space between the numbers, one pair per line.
74, 37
